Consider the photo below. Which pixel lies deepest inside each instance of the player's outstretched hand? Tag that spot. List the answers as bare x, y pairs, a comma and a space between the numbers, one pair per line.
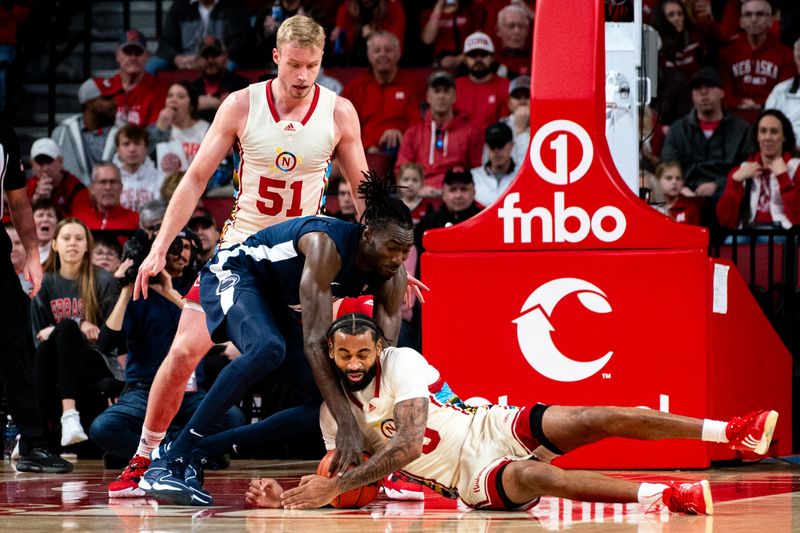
414, 288
265, 492
314, 491
350, 447
151, 266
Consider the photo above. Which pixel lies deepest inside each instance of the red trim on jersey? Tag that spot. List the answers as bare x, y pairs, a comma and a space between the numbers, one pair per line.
521, 428
274, 111
437, 385
194, 292
271, 102
313, 105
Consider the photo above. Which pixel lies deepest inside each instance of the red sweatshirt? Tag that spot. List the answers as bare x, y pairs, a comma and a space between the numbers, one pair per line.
462, 146
749, 72
394, 105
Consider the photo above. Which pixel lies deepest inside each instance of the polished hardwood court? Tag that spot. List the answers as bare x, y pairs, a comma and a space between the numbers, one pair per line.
752, 497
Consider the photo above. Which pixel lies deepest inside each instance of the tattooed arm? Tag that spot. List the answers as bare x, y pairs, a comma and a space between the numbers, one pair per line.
410, 416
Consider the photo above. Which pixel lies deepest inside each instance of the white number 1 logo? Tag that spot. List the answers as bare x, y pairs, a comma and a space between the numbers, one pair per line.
563, 175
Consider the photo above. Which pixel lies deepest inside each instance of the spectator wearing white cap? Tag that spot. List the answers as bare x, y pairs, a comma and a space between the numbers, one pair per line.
50, 181
88, 137
481, 95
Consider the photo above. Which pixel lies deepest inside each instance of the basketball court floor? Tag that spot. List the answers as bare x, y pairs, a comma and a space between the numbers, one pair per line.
753, 498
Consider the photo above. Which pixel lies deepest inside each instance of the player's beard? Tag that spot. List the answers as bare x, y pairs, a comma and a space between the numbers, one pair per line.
369, 375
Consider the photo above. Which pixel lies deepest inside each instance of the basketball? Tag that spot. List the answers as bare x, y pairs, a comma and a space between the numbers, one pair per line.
357, 497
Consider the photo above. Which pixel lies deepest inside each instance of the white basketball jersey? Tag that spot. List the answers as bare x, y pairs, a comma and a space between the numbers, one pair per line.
283, 164
446, 431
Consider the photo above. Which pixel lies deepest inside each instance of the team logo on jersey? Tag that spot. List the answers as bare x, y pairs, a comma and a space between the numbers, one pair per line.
388, 428
534, 329
285, 161
227, 283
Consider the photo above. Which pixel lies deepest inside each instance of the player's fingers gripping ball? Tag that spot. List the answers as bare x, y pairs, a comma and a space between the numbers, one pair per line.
357, 497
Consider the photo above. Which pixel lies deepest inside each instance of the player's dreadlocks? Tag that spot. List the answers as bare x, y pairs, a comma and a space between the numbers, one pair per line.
354, 324
383, 206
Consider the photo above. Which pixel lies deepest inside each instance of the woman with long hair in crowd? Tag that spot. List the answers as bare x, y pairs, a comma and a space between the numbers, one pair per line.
74, 301
683, 47
764, 190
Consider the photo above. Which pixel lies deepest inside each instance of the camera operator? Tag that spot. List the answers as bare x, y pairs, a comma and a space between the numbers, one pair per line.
145, 329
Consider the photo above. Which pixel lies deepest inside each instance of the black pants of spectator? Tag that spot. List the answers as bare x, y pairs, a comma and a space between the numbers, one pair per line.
15, 359
65, 366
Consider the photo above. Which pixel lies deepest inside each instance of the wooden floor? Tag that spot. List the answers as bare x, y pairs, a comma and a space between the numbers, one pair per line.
753, 498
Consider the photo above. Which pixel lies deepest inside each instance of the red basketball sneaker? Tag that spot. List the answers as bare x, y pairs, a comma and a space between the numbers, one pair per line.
127, 484
752, 433
690, 498
396, 486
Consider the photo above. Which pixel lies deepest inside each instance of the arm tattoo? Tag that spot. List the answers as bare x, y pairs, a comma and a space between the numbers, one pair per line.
410, 417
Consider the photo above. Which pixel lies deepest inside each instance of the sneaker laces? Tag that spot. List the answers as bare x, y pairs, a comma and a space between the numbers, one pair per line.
137, 463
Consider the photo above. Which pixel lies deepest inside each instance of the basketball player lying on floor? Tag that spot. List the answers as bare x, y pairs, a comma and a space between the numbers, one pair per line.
484, 455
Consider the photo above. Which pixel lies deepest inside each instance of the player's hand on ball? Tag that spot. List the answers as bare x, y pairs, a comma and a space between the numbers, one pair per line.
350, 445
314, 491
264, 492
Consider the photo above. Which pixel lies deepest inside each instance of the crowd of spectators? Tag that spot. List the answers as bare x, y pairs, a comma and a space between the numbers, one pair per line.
442, 91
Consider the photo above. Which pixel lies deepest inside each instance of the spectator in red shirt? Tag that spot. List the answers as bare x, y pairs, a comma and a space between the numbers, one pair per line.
50, 180
443, 139
481, 95
385, 98
754, 62
100, 209
514, 31
764, 190
357, 20
143, 95
683, 209
447, 25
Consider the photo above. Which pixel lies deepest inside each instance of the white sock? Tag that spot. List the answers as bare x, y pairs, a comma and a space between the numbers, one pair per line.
69, 412
714, 431
149, 441
650, 493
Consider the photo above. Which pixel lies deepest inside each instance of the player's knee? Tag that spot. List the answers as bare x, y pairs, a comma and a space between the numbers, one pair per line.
266, 349
532, 477
595, 421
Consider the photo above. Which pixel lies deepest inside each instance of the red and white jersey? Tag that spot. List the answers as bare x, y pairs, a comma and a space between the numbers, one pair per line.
283, 164
454, 438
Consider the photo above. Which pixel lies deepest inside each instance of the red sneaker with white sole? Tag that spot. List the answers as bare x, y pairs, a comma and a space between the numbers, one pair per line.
127, 484
397, 486
752, 433
690, 498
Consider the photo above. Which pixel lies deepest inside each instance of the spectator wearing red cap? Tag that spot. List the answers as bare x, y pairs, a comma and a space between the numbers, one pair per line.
481, 95
754, 62
50, 181
443, 139
385, 98
101, 209
216, 82
143, 95
88, 137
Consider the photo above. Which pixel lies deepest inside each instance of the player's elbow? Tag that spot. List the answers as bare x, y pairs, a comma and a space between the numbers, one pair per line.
413, 450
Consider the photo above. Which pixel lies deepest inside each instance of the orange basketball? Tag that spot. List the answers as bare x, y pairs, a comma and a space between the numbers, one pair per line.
357, 497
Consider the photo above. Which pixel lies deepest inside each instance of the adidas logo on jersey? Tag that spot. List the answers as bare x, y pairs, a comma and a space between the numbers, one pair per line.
289, 127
